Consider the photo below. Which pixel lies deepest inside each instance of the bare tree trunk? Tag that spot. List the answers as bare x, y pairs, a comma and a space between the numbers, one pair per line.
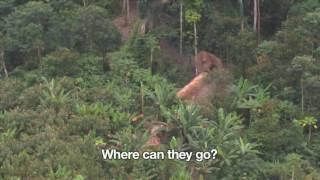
256, 21
3, 62
39, 57
151, 60
124, 10
84, 3
123, 6
309, 132
241, 14
195, 44
292, 174
142, 97
255, 13
128, 9
181, 28
302, 95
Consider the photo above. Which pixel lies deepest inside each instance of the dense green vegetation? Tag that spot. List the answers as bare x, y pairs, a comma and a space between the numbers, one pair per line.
70, 87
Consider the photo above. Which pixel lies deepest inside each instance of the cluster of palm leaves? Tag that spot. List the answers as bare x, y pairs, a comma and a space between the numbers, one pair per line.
248, 96
54, 95
200, 134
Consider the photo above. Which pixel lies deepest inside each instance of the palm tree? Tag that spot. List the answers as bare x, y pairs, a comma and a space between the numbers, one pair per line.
249, 96
310, 122
241, 90
162, 95
193, 17
247, 147
227, 126
189, 118
54, 95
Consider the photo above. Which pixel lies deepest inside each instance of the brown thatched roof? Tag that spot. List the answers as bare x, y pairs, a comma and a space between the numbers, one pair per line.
196, 89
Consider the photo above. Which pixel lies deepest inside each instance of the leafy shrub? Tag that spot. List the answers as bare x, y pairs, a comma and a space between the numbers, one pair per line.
10, 89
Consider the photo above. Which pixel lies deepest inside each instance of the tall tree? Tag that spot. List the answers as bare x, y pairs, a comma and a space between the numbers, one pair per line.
27, 28
241, 14
3, 43
303, 66
193, 15
92, 31
181, 28
126, 9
